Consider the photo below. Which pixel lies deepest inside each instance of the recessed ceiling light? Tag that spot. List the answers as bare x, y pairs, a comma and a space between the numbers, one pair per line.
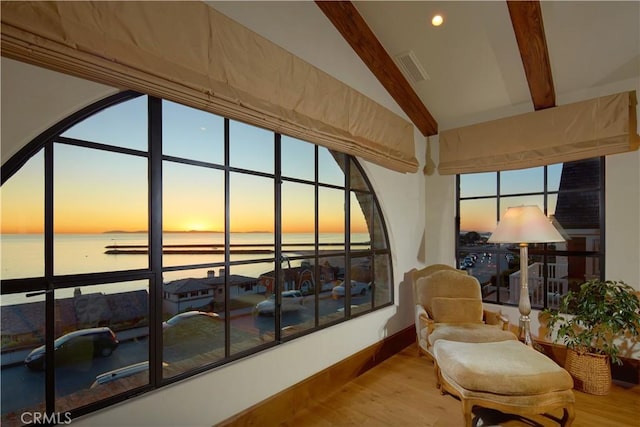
437, 20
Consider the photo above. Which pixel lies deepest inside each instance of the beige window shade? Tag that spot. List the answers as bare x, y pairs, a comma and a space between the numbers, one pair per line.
597, 127
189, 53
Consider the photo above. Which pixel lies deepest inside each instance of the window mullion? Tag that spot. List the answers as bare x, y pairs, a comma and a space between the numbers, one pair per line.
50, 387
155, 239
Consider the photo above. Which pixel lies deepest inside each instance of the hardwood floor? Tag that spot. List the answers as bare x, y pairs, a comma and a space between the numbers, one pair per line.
401, 391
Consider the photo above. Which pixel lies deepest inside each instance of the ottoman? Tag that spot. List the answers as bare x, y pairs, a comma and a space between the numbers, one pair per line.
507, 376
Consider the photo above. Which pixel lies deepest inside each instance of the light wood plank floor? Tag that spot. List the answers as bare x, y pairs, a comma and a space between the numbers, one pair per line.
401, 391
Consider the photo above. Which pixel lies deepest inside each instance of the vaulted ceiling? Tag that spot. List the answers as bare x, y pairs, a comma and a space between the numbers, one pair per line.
492, 55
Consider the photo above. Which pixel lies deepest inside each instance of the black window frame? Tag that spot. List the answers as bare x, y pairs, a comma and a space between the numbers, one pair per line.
50, 282
543, 251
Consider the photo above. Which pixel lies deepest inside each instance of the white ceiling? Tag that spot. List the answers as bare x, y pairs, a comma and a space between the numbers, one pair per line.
472, 60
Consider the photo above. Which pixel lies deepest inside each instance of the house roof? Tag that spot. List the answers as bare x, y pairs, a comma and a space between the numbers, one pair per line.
193, 284
578, 206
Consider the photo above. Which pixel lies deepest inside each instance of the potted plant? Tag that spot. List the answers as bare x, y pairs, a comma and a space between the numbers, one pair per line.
593, 323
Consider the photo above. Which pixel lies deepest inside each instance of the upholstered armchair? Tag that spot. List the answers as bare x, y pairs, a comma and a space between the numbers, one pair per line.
415, 274
449, 306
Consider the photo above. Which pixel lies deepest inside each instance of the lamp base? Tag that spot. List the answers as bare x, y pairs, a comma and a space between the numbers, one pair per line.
524, 330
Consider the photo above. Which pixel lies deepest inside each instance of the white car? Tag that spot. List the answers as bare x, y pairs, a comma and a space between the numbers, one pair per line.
291, 301
179, 318
124, 372
357, 288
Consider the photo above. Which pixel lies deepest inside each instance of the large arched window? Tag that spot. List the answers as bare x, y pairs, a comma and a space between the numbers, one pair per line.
144, 241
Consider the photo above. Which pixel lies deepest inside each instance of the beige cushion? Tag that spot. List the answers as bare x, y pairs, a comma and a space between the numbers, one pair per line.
468, 332
506, 368
446, 283
426, 271
456, 310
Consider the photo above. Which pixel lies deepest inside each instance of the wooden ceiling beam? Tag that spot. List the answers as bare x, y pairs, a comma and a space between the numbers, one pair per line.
345, 17
526, 18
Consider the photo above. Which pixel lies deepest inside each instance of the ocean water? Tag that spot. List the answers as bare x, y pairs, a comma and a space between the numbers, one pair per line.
22, 255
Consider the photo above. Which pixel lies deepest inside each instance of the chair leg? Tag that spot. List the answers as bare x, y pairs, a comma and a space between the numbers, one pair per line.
568, 416
466, 412
436, 371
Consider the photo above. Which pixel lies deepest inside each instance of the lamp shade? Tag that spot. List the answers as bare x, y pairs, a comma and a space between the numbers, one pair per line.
525, 224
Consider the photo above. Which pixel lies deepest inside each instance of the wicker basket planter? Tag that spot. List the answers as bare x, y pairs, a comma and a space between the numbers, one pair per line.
591, 372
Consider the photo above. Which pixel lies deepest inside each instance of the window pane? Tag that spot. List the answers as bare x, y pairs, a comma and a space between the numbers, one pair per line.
578, 212
297, 310
122, 125
477, 216
251, 311
252, 216
298, 304
361, 216
193, 313
298, 209
522, 181
552, 203
23, 331
379, 237
580, 175
579, 269
382, 286
357, 180
250, 147
492, 266
22, 221
330, 167
553, 177
102, 345
96, 195
331, 217
331, 275
192, 134
478, 184
298, 159
193, 214
361, 284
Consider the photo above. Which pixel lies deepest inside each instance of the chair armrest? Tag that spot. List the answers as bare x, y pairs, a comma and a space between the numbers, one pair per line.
423, 319
496, 318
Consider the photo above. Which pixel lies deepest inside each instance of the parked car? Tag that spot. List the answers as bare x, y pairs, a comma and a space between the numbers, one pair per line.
357, 288
291, 301
75, 347
191, 333
181, 317
124, 372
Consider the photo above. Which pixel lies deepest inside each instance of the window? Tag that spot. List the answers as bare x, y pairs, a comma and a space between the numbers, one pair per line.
161, 241
571, 194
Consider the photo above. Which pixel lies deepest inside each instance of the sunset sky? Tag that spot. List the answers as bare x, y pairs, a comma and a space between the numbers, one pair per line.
480, 214
98, 191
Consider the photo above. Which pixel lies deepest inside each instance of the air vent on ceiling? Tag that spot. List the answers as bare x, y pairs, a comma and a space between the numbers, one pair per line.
409, 65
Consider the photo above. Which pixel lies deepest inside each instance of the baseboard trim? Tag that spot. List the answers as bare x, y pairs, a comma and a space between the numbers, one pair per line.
287, 403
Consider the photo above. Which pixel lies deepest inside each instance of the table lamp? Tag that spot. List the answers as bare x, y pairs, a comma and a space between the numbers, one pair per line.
524, 225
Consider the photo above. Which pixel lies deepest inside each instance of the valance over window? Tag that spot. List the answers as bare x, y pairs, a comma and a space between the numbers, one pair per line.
597, 127
189, 53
